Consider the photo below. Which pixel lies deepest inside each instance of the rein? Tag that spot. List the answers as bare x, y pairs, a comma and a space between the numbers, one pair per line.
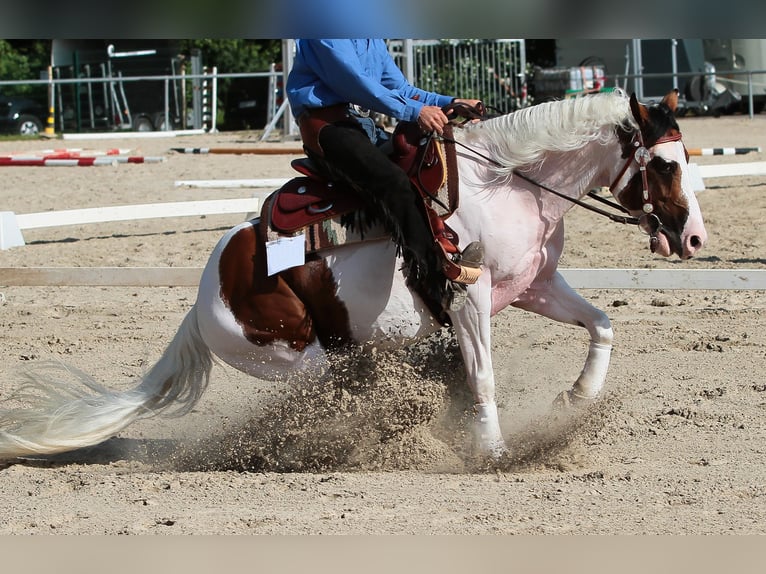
641, 156
625, 219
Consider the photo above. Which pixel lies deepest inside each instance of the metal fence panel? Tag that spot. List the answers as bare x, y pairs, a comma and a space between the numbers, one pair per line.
493, 71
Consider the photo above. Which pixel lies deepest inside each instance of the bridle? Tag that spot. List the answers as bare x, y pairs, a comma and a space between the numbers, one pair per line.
642, 156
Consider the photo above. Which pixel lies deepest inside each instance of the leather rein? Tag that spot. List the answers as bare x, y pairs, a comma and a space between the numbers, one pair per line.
641, 155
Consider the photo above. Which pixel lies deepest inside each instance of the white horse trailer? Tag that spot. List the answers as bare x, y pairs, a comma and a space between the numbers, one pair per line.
750, 55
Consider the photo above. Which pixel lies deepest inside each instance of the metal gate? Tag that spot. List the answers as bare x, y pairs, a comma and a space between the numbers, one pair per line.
493, 71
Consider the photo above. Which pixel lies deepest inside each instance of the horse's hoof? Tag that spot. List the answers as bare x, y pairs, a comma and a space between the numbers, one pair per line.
492, 450
569, 401
498, 450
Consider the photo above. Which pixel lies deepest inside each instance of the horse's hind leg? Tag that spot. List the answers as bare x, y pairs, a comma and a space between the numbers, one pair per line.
558, 301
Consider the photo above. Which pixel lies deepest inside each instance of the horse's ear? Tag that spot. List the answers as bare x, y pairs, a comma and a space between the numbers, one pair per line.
639, 111
671, 100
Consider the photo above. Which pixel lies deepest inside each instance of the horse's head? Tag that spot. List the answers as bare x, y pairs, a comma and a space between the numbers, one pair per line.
659, 190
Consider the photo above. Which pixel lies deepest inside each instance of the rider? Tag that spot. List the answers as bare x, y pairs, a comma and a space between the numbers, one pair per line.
332, 87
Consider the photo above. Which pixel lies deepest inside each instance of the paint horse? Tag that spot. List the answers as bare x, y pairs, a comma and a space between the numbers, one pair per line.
518, 174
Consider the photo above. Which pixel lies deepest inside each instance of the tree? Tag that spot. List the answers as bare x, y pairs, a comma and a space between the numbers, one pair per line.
235, 56
23, 60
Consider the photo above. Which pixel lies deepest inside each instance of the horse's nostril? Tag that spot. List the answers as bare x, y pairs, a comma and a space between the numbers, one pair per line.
695, 241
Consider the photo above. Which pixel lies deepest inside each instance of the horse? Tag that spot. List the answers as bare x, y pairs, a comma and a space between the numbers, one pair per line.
519, 174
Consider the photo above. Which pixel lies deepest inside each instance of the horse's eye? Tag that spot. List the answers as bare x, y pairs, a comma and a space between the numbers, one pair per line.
664, 167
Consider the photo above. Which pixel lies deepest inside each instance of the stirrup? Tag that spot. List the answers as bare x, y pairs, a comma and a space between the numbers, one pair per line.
465, 268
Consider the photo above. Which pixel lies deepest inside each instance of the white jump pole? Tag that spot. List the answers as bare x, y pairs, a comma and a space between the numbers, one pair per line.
232, 183
11, 224
733, 169
131, 212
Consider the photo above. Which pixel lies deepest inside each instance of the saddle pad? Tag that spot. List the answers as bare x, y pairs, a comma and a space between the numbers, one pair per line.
324, 229
321, 235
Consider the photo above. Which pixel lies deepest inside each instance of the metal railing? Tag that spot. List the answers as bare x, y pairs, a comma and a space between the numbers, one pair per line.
493, 71
115, 84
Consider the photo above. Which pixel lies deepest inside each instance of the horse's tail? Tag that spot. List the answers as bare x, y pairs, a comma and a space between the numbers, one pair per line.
61, 417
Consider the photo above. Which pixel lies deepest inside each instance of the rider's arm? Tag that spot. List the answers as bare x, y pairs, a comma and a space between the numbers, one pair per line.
337, 63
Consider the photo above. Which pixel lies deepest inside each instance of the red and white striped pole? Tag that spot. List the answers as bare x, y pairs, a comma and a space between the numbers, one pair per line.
27, 161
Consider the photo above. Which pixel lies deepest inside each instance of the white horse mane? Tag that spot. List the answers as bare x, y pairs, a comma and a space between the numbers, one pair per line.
523, 137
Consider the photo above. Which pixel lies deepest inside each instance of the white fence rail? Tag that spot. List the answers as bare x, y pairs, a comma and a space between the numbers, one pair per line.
12, 224
670, 279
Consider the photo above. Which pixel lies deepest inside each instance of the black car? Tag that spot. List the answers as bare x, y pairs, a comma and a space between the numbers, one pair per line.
21, 116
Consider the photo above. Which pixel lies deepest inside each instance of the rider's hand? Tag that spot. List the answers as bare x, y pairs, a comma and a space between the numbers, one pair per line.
432, 118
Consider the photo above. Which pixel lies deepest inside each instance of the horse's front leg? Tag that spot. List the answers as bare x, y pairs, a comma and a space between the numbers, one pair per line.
472, 329
556, 300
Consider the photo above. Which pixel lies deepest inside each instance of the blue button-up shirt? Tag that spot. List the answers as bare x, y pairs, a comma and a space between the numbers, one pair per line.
361, 72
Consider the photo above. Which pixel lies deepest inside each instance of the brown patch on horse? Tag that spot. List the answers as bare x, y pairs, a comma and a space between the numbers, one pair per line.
314, 284
298, 305
664, 182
